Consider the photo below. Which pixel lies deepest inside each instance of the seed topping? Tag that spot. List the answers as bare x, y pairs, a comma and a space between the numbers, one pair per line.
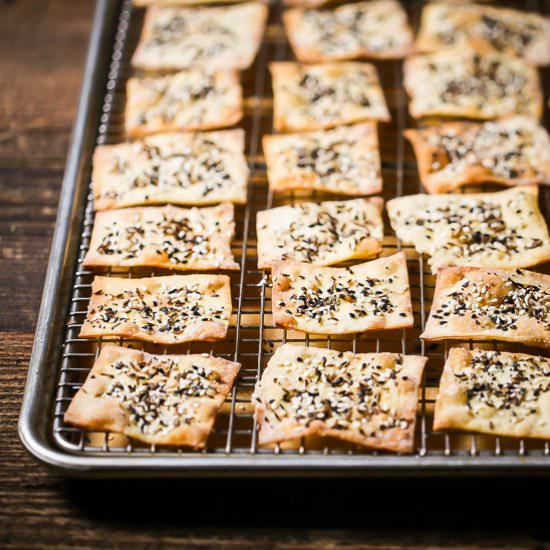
201, 165
323, 299
317, 230
159, 394
473, 228
507, 383
196, 34
334, 158
343, 392
506, 152
354, 28
323, 97
487, 307
180, 238
164, 310
503, 31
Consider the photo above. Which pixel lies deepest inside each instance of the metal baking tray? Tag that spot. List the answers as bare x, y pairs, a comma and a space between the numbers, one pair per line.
60, 360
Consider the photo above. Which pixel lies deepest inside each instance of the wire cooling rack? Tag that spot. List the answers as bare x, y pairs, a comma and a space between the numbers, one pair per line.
252, 337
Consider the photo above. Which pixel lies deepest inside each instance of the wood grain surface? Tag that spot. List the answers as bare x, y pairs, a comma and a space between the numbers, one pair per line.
42, 45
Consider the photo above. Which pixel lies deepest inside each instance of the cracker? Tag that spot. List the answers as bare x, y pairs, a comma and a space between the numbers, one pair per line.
494, 392
320, 233
330, 300
309, 97
146, 3
486, 29
193, 99
368, 398
226, 37
491, 304
512, 151
463, 83
164, 310
157, 399
499, 230
343, 160
376, 29
306, 3
167, 236
177, 168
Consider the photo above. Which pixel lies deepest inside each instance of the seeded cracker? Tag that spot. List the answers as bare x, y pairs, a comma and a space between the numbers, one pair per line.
376, 29
162, 310
494, 392
368, 398
491, 304
513, 151
320, 233
192, 99
342, 160
175, 238
306, 3
144, 3
176, 168
157, 399
327, 300
487, 29
465, 84
499, 230
310, 97
225, 37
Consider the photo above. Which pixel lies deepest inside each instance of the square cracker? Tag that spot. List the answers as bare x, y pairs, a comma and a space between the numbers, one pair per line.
466, 84
172, 3
512, 151
178, 168
167, 236
192, 99
330, 300
310, 97
157, 399
494, 392
490, 304
342, 160
500, 230
163, 310
224, 37
146, 3
367, 398
486, 29
376, 29
320, 233
306, 3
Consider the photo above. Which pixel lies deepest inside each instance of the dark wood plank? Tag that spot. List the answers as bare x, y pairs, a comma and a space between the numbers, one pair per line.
28, 209
43, 44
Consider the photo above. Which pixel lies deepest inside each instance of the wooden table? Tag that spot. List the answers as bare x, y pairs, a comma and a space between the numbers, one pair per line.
43, 43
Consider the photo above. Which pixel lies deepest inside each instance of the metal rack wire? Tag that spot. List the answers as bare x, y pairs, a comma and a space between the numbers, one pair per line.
252, 337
